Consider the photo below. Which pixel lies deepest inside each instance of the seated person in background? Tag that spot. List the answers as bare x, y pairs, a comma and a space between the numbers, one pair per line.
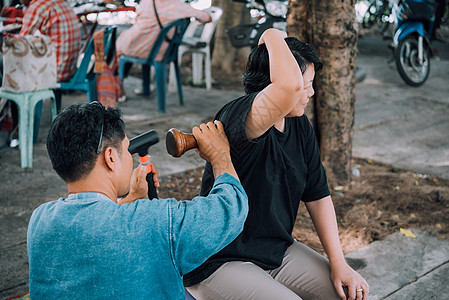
88, 246
57, 20
138, 40
11, 10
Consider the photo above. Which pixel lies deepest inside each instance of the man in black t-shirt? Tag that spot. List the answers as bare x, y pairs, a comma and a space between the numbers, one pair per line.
276, 156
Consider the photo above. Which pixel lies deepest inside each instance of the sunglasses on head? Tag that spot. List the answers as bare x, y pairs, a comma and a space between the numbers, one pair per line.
96, 103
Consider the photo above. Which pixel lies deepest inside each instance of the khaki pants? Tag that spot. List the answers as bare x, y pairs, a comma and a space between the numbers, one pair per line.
304, 274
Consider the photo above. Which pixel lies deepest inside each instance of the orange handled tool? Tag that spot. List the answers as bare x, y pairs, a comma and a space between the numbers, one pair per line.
178, 142
140, 145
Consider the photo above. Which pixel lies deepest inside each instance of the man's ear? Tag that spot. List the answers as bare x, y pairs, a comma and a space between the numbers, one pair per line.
110, 157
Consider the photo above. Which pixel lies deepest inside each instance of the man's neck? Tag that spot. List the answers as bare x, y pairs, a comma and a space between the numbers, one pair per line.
92, 184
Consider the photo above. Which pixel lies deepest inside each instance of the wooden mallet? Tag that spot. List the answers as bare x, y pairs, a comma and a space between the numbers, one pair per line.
178, 142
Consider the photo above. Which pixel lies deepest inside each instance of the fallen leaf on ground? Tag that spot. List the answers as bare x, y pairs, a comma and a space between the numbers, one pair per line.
407, 233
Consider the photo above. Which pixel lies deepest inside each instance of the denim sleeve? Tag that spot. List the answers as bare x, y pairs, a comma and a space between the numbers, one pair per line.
203, 226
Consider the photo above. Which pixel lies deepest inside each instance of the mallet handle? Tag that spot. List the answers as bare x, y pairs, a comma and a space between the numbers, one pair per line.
178, 142
152, 191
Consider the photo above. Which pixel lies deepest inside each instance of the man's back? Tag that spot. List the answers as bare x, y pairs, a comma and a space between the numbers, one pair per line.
89, 246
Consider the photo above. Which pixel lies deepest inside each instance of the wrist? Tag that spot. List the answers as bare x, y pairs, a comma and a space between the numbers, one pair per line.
337, 262
221, 160
131, 197
224, 165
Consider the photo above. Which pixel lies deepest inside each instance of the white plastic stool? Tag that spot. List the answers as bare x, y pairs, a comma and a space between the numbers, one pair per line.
26, 103
199, 47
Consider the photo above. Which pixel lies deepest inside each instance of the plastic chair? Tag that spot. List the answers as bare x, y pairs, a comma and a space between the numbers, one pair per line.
199, 46
84, 78
173, 32
28, 103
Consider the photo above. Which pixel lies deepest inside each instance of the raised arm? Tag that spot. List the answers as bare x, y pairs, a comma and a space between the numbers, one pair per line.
183, 10
274, 102
205, 225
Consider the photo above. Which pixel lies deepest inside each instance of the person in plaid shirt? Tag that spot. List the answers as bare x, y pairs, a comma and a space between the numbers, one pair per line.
57, 20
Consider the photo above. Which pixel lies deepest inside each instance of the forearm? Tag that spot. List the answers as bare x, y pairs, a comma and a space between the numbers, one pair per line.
283, 66
224, 165
27, 27
324, 219
342, 275
203, 16
223, 211
128, 199
279, 97
32, 21
184, 10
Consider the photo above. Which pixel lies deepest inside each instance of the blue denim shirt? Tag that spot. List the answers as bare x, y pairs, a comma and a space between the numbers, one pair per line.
89, 247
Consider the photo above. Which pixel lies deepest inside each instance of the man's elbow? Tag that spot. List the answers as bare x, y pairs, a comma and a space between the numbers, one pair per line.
289, 84
244, 208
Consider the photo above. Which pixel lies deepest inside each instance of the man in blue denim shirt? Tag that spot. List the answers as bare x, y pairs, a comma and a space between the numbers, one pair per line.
91, 245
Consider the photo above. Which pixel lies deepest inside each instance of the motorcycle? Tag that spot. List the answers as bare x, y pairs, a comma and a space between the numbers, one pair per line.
270, 14
415, 26
375, 12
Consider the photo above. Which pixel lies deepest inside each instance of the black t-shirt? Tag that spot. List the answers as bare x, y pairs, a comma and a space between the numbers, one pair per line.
277, 170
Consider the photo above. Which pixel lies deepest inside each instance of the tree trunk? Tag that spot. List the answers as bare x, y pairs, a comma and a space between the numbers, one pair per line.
225, 56
298, 26
330, 27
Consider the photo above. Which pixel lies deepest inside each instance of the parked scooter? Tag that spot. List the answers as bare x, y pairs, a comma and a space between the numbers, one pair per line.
415, 26
270, 14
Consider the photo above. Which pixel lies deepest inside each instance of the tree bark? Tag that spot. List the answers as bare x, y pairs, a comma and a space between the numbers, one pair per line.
299, 26
330, 27
225, 56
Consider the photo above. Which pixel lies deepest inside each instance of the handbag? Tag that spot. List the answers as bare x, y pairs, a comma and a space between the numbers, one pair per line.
29, 63
109, 88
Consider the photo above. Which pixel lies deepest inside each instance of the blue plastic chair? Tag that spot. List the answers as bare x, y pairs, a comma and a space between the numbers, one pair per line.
29, 119
173, 32
84, 78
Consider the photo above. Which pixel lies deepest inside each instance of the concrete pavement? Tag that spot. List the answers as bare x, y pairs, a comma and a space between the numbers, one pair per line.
400, 125
395, 124
407, 128
400, 267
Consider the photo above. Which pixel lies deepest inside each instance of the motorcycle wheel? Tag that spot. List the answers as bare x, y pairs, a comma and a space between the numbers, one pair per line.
407, 61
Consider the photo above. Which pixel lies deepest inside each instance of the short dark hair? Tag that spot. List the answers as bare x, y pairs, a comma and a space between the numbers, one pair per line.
74, 135
257, 75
